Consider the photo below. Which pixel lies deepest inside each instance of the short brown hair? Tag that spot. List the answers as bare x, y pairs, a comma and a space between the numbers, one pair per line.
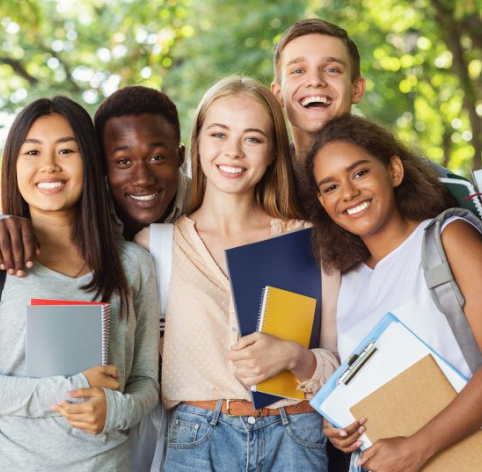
317, 26
419, 196
275, 191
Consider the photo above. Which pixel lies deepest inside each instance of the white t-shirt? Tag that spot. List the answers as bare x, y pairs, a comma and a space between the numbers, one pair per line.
395, 285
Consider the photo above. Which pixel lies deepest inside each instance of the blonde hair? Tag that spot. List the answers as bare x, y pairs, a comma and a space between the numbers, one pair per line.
274, 193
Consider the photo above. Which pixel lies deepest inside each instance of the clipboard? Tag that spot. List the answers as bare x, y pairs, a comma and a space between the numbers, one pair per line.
387, 351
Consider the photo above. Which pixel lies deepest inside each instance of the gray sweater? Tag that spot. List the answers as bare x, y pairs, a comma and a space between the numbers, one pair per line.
35, 438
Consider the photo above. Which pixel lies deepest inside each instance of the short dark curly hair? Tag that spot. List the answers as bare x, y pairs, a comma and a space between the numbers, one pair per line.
136, 100
420, 195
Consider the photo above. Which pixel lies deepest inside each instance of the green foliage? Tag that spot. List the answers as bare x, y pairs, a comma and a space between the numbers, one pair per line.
422, 59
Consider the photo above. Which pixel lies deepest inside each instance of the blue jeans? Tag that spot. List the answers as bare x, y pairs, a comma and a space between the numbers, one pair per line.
203, 440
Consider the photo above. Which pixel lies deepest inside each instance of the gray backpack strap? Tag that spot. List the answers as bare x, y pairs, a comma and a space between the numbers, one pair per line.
160, 246
443, 287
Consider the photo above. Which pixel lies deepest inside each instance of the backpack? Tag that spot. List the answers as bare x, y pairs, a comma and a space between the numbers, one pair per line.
444, 289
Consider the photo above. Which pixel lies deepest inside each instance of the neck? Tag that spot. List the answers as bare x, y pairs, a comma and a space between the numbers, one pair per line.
228, 213
387, 240
302, 141
53, 228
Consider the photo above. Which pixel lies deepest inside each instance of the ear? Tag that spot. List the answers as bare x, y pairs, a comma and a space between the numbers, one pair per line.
181, 154
276, 91
396, 170
358, 90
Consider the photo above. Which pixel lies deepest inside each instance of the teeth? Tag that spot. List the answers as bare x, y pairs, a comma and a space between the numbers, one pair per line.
231, 170
144, 198
50, 185
306, 101
358, 208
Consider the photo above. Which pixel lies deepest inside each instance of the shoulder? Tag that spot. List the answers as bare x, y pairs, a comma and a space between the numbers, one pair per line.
131, 254
283, 226
457, 232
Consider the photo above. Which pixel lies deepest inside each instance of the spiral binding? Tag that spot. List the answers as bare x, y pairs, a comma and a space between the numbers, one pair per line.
105, 333
262, 308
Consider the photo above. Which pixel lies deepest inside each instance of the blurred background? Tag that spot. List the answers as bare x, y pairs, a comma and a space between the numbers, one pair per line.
422, 58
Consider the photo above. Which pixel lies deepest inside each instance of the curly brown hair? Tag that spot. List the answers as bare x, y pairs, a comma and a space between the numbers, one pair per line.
420, 195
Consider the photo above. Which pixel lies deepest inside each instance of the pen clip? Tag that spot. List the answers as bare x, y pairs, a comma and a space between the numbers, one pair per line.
356, 362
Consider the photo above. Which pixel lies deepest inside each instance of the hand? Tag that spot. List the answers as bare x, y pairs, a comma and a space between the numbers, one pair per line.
397, 454
260, 356
103, 376
18, 245
346, 439
89, 416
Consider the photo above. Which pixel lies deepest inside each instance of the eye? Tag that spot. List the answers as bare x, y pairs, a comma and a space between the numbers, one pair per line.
253, 139
123, 162
297, 71
360, 173
218, 135
66, 151
157, 158
32, 152
329, 188
333, 70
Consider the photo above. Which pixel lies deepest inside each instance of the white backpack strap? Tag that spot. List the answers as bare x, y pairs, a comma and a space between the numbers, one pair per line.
160, 246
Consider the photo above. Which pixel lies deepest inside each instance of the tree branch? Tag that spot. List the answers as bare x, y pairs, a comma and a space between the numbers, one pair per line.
19, 69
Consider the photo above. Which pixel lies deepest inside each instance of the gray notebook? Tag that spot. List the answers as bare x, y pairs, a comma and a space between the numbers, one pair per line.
66, 339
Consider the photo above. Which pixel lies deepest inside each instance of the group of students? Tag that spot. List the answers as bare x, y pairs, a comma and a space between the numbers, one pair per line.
368, 197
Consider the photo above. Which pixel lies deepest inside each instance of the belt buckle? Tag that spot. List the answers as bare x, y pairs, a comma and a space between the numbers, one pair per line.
259, 412
228, 408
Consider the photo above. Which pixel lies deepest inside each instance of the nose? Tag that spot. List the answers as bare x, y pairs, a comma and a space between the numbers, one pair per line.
350, 190
49, 163
142, 175
234, 149
315, 78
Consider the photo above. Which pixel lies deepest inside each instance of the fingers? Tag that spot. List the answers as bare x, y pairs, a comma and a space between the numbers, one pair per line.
88, 416
346, 439
86, 392
246, 341
110, 370
18, 245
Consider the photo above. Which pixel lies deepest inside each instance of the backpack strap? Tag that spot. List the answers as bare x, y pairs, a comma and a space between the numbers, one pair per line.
444, 289
3, 278
160, 246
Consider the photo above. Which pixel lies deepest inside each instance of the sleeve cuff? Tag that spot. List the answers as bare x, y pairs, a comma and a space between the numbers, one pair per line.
326, 364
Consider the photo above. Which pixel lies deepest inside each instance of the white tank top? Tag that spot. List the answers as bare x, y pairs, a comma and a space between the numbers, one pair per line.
395, 285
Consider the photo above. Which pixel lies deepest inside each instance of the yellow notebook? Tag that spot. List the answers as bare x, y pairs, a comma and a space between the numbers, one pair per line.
288, 316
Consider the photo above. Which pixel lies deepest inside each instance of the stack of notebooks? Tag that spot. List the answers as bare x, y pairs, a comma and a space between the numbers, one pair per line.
399, 384
285, 262
65, 337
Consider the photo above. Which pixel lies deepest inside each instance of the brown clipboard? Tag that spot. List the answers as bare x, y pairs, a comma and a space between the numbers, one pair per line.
409, 401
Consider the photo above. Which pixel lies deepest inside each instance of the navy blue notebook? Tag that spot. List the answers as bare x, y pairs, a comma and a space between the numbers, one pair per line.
284, 262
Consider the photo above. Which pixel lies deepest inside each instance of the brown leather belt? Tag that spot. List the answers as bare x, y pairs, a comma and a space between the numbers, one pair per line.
245, 408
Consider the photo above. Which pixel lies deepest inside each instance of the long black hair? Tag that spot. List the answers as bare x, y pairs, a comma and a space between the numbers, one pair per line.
92, 232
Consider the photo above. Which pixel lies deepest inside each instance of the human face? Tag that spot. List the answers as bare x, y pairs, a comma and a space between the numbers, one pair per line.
235, 144
315, 83
50, 170
356, 189
143, 156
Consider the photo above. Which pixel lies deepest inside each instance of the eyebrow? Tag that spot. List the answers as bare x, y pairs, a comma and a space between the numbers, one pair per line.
246, 130
299, 59
126, 147
65, 139
348, 169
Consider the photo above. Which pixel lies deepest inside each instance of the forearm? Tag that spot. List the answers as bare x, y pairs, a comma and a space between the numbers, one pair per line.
458, 420
31, 397
302, 362
127, 409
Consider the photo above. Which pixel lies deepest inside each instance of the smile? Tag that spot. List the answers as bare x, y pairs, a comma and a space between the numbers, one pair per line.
316, 101
50, 185
144, 198
359, 208
231, 170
